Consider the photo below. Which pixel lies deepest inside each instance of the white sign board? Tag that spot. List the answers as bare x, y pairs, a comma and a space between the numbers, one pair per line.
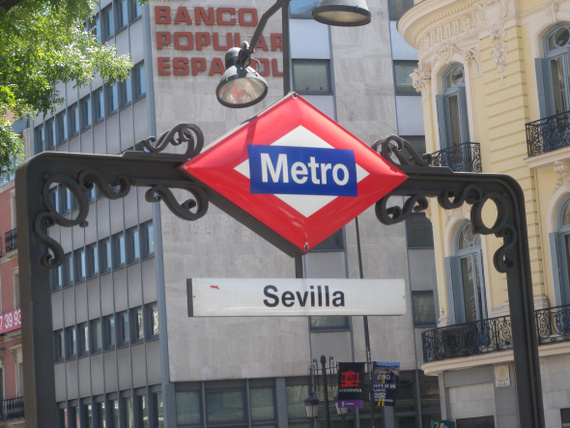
223, 297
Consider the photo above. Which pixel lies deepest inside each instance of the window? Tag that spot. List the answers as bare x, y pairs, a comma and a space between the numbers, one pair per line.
464, 273
560, 251
109, 332
156, 415
58, 345
402, 79
296, 395
71, 342
96, 335
333, 242
39, 139
123, 328
87, 417
329, 323
188, 408
122, 14
94, 27
553, 73
57, 277
419, 231
480, 422
69, 271
85, 111
125, 96
105, 255
73, 120
147, 239
312, 76
302, 8
452, 108
108, 23
398, 7
225, 406
565, 417
262, 404
80, 265
50, 134
142, 413
82, 339
139, 81
119, 250
423, 307
62, 127
91, 260
138, 324
99, 414
112, 97
16, 287
114, 409
136, 9
133, 244
98, 105
153, 325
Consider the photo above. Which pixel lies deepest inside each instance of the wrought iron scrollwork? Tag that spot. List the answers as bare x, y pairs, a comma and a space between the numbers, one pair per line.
187, 133
191, 209
395, 146
396, 214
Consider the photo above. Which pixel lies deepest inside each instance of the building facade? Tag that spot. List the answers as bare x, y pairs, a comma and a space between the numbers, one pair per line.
493, 76
126, 352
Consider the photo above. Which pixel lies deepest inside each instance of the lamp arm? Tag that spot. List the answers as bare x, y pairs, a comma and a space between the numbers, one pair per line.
263, 21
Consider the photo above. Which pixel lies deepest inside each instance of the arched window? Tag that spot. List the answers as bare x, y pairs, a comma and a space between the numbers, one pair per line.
553, 72
452, 108
465, 283
560, 251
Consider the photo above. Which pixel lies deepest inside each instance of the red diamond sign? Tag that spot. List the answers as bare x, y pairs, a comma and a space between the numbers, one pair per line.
296, 171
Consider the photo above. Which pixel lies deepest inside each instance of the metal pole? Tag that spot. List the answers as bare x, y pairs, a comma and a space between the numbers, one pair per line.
326, 391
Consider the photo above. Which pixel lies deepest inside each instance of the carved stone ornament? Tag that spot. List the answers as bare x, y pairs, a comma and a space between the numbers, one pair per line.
471, 56
461, 213
421, 79
551, 10
562, 168
499, 49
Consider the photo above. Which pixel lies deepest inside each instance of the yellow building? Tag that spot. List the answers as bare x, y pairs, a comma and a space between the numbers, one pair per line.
495, 82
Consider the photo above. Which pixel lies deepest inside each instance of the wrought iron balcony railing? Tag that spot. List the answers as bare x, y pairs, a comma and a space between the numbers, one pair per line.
548, 134
492, 335
11, 240
12, 408
464, 157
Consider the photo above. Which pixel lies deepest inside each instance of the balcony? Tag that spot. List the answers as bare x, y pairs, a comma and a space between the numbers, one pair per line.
464, 157
492, 335
548, 134
12, 408
11, 240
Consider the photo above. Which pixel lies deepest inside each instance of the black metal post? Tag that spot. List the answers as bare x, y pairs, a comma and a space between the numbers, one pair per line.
326, 391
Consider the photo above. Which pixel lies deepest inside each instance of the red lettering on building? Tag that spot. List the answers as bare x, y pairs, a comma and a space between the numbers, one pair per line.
162, 39
198, 64
200, 14
225, 11
247, 17
202, 39
216, 40
183, 41
262, 44
217, 67
275, 68
162, 14
163, 66
182, 15
180, 66
276, 42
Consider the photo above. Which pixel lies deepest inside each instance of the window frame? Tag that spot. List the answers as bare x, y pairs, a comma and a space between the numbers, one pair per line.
444, 116
404, 92
313, 61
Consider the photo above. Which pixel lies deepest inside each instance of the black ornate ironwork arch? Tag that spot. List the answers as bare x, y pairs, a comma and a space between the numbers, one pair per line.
115, 175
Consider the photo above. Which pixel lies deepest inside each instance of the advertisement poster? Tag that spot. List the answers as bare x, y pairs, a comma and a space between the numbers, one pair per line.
350, 379
385, 383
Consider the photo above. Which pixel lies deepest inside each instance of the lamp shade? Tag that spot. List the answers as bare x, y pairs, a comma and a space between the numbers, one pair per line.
241, 87
312, 406
345, 13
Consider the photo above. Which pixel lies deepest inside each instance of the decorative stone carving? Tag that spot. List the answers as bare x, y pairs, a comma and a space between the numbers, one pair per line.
421, 79
562, 168
551, 10
499, 49
461, 213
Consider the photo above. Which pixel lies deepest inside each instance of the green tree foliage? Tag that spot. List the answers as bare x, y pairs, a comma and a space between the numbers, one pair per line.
43, 42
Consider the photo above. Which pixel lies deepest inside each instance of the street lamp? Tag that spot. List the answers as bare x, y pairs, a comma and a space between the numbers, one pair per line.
242, 86
312, 402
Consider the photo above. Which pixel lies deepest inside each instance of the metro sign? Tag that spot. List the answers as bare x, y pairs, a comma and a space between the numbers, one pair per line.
297, 172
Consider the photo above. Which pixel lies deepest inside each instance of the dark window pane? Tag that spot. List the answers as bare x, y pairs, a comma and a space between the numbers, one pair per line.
419, 231
329, 323
402, 71
225, 406
399, 7
423, 308
188, 407
312, 76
